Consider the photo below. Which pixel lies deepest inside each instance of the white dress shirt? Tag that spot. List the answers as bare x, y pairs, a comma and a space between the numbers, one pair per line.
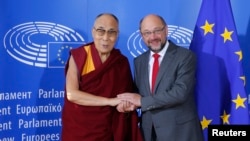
151, 61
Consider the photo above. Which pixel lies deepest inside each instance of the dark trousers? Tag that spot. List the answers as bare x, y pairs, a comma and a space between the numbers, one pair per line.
154, 137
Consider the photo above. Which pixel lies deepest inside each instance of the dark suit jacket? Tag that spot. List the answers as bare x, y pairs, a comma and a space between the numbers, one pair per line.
171, 109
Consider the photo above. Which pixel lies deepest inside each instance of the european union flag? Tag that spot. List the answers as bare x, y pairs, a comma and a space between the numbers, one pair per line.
221, 97
58, 53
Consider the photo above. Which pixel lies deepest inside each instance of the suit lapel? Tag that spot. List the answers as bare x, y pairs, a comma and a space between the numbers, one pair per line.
145, 70
165, 64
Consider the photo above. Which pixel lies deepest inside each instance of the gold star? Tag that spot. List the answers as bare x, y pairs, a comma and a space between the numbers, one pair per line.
225, 117
205, 122
227, 35
240, 55
207, 27
239, 101
244, 79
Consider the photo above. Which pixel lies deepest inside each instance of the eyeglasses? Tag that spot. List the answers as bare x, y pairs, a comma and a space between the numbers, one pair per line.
102, 32
156, 31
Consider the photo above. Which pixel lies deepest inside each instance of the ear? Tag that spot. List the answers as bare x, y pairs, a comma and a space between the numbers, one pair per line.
117, 35
93, 32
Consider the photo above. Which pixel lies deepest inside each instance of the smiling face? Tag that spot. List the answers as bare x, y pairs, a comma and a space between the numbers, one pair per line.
154, 32
105, 33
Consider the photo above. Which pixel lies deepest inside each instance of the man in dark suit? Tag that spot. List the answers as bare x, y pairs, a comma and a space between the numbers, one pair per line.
168, 109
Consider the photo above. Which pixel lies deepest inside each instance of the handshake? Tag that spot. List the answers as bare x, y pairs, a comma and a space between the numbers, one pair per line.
127, 102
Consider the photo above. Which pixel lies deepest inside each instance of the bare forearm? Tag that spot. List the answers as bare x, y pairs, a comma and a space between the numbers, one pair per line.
87, 99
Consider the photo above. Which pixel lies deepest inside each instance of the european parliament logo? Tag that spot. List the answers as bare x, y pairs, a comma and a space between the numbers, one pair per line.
179, 35
41, 44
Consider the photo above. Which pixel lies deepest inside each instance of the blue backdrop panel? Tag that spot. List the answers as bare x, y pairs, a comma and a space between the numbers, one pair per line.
36, 37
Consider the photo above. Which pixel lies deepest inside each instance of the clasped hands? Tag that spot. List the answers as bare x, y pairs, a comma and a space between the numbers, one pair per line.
128, 102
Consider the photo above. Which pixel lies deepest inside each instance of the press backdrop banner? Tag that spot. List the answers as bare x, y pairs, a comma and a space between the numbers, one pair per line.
35, 39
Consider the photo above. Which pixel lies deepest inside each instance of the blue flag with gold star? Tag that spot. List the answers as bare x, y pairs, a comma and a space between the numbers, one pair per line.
220, 90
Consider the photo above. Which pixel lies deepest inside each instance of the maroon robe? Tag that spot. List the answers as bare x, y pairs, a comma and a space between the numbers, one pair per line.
100, 123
